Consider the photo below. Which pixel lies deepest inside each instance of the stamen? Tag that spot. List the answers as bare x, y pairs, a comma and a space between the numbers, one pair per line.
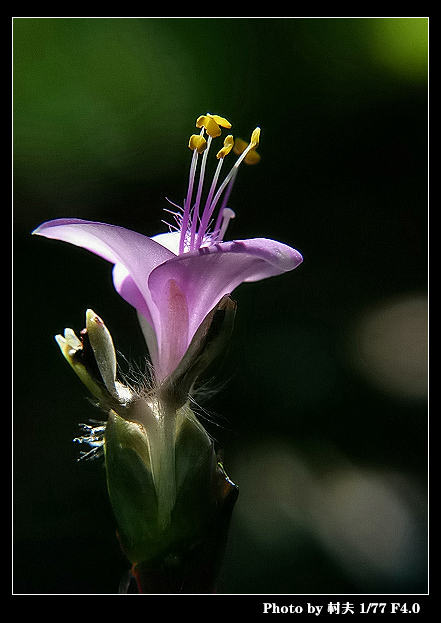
228, 146
220, 121
198, 144
252, 156
193, 228
255, 137
209, 206
195, 217
232, 174
211, 124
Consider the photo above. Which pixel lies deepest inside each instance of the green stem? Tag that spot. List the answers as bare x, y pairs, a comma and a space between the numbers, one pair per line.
164, 470
193, 568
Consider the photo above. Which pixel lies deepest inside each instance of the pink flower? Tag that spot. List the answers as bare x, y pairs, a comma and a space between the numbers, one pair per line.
175, 279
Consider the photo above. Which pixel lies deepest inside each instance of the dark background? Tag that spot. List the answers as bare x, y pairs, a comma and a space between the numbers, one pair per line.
321, 409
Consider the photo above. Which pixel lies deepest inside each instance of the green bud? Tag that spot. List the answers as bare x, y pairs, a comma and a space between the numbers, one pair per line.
170, 495
72, 349
163, 492
173, 535
104, 351
130, 484
93, 358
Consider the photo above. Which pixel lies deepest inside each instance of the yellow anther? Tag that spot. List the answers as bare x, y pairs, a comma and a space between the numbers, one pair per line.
239, 146
211, 124
255, 136
220, 121
228, 146
252, 156
197, 142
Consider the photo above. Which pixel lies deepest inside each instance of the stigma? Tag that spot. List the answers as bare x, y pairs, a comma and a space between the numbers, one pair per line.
204, 218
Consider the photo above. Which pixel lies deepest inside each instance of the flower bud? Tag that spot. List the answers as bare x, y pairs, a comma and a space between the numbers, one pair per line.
93, 358
164, 496
168, 490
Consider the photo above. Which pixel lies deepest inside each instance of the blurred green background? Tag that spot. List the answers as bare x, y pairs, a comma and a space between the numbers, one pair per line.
322, 406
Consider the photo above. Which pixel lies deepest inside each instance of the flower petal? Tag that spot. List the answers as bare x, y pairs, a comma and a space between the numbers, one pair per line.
127, 288
207, 274
172, 337
111, 242
133, 254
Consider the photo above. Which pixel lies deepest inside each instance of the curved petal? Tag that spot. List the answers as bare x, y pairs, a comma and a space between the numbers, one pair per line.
129, 291
133, 254
112, 242
207, 274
